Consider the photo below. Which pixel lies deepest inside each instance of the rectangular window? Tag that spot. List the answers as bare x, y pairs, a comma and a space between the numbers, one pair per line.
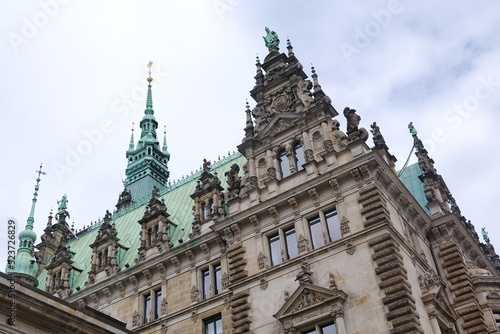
496, 315
324, 329
157, 303
147, 308
291, 243
211, 280
333, 224
275, 249
316, 231
213, 325
151, 307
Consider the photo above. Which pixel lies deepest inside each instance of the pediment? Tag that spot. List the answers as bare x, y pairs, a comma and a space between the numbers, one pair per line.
279, 123
308, 297
440, 303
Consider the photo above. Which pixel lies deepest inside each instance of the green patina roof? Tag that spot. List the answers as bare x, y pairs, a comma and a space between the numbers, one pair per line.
179, 204
414, 185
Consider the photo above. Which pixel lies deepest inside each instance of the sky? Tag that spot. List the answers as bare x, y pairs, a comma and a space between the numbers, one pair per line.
73, 80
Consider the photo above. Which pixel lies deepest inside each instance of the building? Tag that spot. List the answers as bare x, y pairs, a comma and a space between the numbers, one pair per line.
307, 229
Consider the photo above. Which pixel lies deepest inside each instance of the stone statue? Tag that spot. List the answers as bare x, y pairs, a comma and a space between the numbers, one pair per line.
352, 119
485, 235
271, 39
233, 179
304, 275
206, 165
62, 209
412, 129
378, 139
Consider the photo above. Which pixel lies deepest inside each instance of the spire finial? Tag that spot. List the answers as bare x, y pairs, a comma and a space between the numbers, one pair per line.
257, 59
131, 145
165, 148
149, 101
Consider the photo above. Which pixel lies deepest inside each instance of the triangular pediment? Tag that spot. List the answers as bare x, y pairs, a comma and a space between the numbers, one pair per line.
309, 296
279, 123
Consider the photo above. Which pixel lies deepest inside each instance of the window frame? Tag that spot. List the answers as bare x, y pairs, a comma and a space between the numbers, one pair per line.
319, 328
154, 312
281, 238
213, 275
212, 320
329, 234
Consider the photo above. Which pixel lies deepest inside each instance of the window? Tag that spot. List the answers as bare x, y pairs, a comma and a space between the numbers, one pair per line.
151, 305
496, 315
285, 239
284, 164
325, 224
213, 325
211, 281
324, 329
298, 154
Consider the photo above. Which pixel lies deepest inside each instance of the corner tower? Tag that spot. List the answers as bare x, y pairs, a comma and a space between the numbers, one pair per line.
148, 161
24, 266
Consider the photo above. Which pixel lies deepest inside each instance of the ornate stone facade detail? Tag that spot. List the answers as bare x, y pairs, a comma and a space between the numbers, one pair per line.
194, 294
176, 263
293, 203
302, 244
147, 275
313, 193
164, 327
350, 247
262, 261
304, 274
236, 232
164, 304
134, 282
263, 283
136, 319
206, 250
255, 222
274, 213
225, 280
335, 185
344, 226
194, 316
190, 255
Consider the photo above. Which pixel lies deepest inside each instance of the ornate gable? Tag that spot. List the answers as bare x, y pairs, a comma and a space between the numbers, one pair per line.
281, 123
309, 303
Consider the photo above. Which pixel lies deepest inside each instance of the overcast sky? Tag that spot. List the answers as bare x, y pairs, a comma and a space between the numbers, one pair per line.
73, 80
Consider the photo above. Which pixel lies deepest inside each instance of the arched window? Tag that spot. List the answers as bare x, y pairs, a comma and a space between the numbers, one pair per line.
298, 154
284, 164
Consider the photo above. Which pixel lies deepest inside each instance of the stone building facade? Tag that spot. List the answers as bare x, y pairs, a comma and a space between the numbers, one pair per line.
307, 229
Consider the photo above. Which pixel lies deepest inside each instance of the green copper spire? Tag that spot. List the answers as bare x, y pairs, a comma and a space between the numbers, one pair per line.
165, 148
271, 39
25, 266
131, 146
148, 160
149, 102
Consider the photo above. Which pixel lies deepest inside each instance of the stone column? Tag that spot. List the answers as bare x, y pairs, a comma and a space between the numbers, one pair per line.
338, 315
308, 153
434, 323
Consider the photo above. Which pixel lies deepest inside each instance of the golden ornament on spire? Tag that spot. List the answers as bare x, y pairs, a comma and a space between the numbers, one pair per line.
150, 64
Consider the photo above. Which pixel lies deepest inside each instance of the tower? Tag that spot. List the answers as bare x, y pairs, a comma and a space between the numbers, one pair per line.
24, 266
147, 162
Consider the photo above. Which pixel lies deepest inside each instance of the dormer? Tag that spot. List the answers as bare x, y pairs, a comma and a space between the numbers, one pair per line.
156, 228
208, 201
105, 249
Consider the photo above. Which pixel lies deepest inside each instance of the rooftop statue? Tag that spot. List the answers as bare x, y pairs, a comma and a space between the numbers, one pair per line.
62, 209
412, 129
485, 235
271, 39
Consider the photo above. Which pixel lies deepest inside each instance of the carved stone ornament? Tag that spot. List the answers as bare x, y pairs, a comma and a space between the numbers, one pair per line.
194, 316
350, 248
262, 261
280, 104
164, 306
164, 327
344, 226
227, 303
194, 294
303, 244
225, 280
263, 283
136, 319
